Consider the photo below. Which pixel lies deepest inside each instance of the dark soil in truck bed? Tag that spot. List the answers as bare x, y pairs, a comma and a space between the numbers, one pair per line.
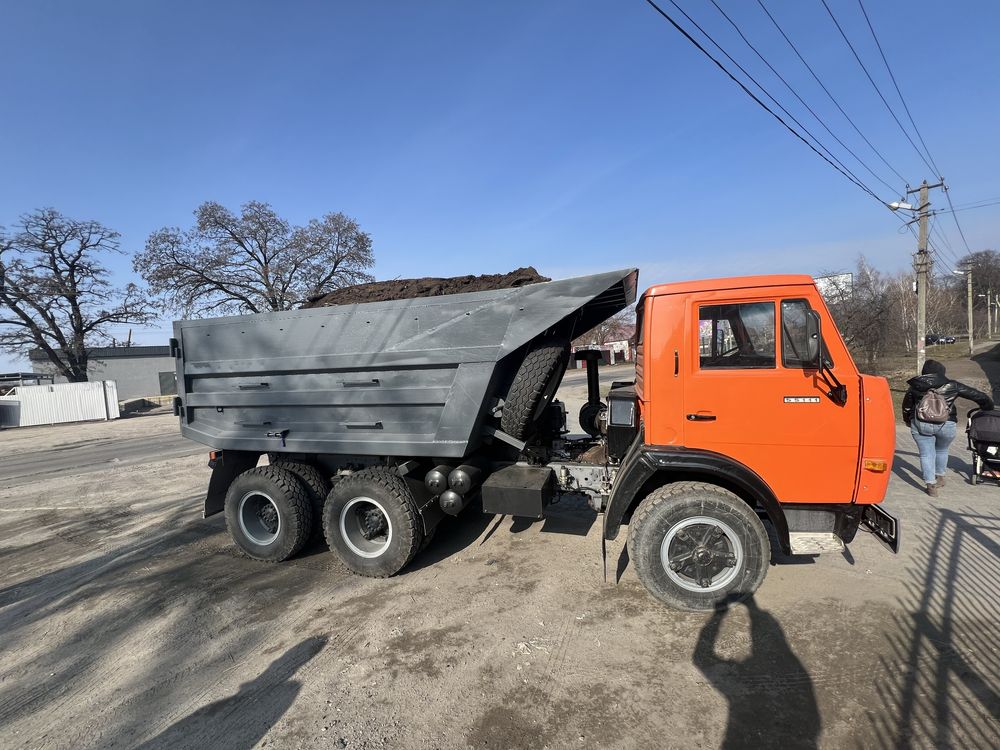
380, 291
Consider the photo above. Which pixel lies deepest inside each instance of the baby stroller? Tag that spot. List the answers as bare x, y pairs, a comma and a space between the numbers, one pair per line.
983, 431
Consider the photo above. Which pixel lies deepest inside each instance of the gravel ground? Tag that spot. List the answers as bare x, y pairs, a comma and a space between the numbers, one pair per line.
126, 620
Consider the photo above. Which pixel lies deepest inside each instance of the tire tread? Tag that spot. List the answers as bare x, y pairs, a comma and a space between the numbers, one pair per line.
533, 376
395, 487
300, 508
317, 486
671, 492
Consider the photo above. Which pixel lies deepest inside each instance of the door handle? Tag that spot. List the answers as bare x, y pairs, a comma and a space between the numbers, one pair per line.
701, 417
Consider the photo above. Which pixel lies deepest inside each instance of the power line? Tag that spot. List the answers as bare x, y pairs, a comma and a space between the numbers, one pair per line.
935, 229
977, 204
843, 170
896, 85
875, 86
985, 204
969, 208
957, 225
827, 92
930, 245
796, 95
933, 165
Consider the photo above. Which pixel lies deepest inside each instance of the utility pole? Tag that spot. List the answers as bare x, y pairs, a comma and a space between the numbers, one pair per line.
921, 264
989, 314
996, 314
968, 277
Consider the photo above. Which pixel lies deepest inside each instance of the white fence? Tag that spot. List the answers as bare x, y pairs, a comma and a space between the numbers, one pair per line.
29, 405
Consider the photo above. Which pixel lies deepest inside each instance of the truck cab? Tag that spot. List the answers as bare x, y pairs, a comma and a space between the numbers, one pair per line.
745, 397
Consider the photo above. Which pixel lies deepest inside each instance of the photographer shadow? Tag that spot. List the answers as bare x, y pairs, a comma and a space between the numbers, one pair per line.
771, 698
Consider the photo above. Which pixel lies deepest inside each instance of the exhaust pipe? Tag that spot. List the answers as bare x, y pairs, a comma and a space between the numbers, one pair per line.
590, 412
437, 479
452, 503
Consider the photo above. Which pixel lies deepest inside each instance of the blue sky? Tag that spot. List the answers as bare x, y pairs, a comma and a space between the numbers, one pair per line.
473, 137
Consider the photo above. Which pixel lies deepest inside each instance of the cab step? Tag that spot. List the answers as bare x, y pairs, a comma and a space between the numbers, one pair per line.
814, 542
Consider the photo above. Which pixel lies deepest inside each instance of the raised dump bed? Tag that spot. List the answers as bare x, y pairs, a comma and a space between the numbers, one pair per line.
414, 377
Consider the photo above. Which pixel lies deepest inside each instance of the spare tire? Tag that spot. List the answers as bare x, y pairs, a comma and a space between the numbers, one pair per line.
535, 384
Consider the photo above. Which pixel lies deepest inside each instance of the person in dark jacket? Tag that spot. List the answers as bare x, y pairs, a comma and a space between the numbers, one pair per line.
933, 439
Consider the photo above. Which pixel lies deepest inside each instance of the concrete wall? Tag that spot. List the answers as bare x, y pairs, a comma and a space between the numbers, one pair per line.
135, 376
136, 373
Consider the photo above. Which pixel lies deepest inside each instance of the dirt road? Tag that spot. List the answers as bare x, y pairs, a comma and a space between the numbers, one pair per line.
45, 452
128, 621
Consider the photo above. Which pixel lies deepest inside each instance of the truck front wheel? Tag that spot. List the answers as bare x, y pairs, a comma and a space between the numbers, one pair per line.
696, 546
371, 521
268, 513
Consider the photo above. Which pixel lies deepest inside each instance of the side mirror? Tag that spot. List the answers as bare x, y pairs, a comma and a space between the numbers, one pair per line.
817, 359
814, 332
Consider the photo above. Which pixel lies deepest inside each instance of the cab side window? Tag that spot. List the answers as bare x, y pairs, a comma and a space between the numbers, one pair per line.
736, 336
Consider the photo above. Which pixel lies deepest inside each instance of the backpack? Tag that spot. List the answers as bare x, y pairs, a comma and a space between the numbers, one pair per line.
933, 408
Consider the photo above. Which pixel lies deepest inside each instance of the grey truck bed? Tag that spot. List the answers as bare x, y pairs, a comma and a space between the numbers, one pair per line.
413, 377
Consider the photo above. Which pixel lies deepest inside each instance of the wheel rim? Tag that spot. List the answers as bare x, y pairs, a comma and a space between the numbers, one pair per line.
701, 554
365, 527
259, 518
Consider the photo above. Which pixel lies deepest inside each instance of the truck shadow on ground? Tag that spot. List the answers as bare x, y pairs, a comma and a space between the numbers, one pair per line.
770, 696
458, 533
108, 612
940, 679
453, 535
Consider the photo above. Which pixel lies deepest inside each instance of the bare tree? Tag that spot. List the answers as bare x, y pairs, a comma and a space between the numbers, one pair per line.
865, 315
619, 327
55, 293
985, 271
253, 262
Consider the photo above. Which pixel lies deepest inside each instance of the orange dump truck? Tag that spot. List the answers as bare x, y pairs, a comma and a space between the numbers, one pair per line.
379, 419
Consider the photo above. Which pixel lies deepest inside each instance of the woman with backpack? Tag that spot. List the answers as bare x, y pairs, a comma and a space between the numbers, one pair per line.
929, 412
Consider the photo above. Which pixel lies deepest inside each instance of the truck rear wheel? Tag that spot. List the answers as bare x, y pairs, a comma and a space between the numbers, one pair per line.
697, 546
316, 485
371, 521
268, 513
534, 386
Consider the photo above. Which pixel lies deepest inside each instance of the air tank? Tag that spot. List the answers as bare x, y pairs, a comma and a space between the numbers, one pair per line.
452, 503
437, 479
465, 478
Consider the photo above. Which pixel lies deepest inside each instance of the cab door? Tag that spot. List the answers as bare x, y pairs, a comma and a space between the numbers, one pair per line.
751, 394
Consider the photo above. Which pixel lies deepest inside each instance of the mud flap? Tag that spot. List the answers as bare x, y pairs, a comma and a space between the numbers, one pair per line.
226, 466
884, 526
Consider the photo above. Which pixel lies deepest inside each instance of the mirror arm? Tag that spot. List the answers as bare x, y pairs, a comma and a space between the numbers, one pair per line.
837, 392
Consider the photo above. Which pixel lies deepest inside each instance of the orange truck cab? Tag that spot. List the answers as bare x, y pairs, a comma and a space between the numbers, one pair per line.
745, 398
